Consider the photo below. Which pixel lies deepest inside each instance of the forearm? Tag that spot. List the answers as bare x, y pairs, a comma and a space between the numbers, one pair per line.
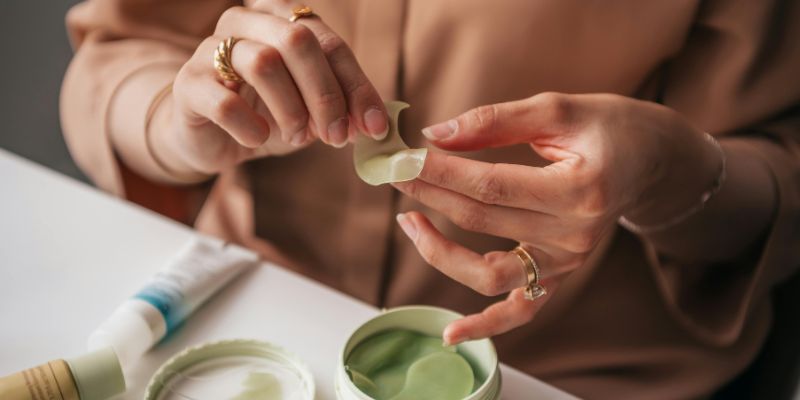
734, 220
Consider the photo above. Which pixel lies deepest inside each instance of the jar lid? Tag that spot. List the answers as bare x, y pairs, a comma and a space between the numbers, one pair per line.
232, 369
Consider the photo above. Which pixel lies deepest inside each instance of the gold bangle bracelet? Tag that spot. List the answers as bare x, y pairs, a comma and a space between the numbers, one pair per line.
704, 197
193, 177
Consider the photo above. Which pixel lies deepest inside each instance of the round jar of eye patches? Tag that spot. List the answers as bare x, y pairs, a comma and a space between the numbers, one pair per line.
399, 355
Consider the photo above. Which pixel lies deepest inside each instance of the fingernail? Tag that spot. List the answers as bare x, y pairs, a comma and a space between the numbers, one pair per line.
451, 339
407, 226
298, 138
376, 122
337, 132
441, 131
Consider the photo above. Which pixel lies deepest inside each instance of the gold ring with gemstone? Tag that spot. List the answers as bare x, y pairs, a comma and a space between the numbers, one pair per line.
301, 12
533, 289
222, 60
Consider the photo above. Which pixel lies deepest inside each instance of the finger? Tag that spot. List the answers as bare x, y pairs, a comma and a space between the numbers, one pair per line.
498, 318
492, 274
531, 188
471, 215
540, 117
562, 237
262, 67
364, 104
228, 110
363, 101
275, 144
305, 61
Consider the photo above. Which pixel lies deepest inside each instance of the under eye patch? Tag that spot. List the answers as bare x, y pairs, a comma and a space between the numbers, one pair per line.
403, 365
389, 160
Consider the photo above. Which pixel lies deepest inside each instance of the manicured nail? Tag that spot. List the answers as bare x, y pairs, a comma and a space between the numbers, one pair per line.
451, 339
337, 132
298, 138
376, 122
441, 131
407, 226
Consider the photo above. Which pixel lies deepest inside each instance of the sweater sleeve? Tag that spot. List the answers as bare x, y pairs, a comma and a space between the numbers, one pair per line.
737, 78
127, 53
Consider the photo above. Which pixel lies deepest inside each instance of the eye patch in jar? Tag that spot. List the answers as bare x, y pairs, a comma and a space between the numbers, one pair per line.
404, 365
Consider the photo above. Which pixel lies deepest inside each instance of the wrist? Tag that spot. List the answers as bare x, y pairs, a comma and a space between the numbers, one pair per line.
162, 143
691, 176
735, 219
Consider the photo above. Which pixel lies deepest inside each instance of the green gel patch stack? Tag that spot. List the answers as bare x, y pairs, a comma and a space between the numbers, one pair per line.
405, 365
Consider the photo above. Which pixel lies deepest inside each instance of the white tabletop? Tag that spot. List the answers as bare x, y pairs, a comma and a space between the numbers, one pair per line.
69, 254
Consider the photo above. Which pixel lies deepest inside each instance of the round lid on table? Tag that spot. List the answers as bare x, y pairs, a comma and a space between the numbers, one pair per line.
232, 369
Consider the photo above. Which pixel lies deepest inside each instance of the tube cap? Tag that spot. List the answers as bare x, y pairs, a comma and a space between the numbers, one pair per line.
97, 375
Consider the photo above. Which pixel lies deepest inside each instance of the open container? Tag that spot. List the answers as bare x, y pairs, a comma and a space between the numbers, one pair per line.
481, 354
229, 369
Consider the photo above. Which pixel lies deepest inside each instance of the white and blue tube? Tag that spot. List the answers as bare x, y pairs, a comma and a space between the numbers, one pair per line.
198, 271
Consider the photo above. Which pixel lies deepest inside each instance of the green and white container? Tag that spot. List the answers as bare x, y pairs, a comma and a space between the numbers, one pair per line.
93, 376
430, 321
232, 369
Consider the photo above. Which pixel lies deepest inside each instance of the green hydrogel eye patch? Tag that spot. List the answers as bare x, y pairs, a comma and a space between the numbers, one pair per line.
402, 364
388, 160
441, 375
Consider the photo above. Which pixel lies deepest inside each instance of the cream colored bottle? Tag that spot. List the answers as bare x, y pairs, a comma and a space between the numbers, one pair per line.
93, 376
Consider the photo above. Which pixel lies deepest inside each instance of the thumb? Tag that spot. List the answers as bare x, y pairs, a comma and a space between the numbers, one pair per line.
505, 124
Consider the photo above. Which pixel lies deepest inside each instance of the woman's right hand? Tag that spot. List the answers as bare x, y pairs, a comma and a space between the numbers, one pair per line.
302, 82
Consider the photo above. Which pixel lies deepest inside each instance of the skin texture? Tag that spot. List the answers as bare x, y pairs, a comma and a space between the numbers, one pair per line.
610, 155
208, 124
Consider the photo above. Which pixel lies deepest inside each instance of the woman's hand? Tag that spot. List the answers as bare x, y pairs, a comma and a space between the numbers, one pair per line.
610, 155
301, 82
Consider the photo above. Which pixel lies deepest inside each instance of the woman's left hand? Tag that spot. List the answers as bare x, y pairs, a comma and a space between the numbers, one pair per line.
611, 155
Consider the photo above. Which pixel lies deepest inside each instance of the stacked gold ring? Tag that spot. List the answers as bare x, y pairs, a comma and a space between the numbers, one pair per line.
222, 60
533, 289
222, 54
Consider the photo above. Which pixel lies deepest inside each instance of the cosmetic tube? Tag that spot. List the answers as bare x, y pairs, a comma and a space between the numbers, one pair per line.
197, 272
93, 376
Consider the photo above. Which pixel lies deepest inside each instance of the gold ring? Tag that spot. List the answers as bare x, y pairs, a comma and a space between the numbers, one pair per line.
301, 12
533, 289
222, 60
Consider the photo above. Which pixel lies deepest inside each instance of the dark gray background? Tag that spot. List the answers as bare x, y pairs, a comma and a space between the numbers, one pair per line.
34, 56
